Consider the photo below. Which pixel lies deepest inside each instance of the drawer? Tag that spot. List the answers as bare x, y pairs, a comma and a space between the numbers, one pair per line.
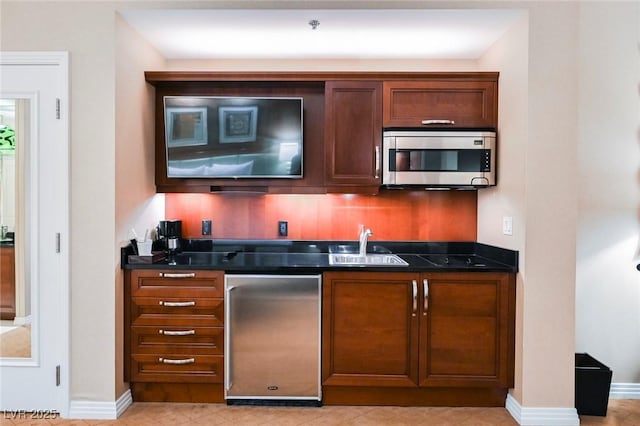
177, 340
177, 368
177, 311
150, 283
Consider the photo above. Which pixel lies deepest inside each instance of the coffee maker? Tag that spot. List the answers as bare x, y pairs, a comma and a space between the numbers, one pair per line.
169, 236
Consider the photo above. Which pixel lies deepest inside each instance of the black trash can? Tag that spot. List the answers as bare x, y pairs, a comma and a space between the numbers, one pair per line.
593, 380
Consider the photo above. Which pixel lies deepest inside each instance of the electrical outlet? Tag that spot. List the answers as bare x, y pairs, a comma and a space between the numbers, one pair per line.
283, 228
507, 225
206, 227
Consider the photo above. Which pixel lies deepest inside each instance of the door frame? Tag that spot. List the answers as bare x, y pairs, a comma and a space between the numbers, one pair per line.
59, 59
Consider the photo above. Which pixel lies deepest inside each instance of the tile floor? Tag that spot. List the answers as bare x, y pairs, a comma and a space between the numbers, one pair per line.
620, 413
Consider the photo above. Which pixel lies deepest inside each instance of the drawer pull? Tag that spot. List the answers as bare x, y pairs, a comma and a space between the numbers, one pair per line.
427, 122
177, 332
174, 275
177, 304
177, 361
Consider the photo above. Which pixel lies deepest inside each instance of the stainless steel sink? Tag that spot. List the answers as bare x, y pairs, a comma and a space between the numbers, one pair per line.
336, 259
353, 249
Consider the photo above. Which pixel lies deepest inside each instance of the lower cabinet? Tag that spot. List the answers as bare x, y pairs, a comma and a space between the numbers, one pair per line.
174, 335
436, 338
388, 338
7, 283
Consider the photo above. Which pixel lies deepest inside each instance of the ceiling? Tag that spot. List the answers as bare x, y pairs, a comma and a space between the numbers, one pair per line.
371, 33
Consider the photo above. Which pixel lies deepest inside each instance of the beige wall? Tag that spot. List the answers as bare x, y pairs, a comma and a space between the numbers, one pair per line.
608, 244
537, 62
550, 206
136, 205
111, 179
510, 55
88, 34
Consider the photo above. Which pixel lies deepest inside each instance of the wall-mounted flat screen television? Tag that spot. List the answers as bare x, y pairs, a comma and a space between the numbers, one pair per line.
233, 137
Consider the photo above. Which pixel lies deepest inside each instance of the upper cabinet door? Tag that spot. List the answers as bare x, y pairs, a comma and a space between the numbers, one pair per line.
441, 103
353, 135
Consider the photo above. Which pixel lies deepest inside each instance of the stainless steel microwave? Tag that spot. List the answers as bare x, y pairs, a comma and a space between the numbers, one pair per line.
445, 159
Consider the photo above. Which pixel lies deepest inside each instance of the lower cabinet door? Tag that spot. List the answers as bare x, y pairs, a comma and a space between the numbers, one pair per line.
177, 368
369, 326
466, 336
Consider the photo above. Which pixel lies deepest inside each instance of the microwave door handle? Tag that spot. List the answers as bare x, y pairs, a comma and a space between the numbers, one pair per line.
377, 160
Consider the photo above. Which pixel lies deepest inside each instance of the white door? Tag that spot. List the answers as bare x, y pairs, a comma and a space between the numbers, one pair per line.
40, 82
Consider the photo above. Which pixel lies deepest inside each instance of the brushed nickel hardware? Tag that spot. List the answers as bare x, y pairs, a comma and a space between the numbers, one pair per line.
177, 361
57, 242
174, 275
377, 175
177, 333
425, 290
429, 122
177, 304
414, 285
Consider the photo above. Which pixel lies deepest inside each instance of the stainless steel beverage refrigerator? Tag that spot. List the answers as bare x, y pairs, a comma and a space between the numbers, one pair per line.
272, 338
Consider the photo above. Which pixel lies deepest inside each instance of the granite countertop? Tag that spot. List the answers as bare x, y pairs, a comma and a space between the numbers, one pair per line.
7, 242
242, 256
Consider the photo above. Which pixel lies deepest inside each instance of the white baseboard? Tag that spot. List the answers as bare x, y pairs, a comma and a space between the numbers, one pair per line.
624, 391
102, 410
541, 416
22, 320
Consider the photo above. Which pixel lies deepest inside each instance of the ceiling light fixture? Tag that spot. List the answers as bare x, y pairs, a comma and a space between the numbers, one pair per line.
314, 23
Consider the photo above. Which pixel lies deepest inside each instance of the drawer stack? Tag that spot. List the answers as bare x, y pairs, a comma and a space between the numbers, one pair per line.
175, 335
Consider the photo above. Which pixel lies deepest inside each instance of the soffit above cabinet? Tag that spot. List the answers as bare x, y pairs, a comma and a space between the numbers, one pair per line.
322, 33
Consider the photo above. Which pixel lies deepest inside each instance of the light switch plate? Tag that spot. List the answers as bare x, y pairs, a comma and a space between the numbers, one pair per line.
507, 225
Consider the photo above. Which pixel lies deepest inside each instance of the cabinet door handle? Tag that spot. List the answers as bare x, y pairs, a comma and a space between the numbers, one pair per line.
414, 285
177, 332
177, 361
174, 275
425, 290
428, 122
377, 159
177, 304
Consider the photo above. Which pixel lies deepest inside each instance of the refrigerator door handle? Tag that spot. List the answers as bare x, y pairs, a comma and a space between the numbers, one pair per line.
228, 384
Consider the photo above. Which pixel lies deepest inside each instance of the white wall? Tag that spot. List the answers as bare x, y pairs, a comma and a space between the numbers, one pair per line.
608, 243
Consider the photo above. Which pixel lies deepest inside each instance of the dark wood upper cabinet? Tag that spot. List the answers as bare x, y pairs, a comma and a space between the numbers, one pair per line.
312, 94
353, 135
344, 114
441, 103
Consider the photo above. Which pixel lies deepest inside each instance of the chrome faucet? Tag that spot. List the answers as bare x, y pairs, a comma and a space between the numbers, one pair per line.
364, 235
